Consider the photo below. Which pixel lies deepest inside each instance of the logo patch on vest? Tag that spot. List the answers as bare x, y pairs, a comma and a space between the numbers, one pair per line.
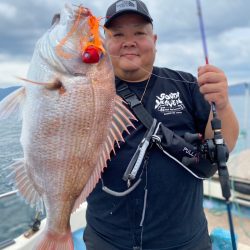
126, 4
169, 104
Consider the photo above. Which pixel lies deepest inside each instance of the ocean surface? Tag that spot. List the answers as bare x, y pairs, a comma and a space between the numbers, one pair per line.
16, 216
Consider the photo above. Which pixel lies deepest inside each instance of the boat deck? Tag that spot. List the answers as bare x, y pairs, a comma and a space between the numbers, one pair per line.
217, 217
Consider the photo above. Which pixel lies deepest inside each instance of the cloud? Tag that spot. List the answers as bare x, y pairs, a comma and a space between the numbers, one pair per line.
226, 52
29, 19
227, 25
179, 19
231, 51
11, 69
7, 11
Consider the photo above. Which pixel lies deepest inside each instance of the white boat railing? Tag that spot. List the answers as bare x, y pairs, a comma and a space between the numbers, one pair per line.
7, 194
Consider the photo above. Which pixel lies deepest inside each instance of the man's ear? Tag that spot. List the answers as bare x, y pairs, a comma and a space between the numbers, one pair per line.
155, 38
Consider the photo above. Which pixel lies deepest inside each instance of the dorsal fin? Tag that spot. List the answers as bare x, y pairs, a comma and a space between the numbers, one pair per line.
120, 121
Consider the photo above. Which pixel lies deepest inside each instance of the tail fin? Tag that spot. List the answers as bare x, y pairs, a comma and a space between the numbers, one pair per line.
55, 241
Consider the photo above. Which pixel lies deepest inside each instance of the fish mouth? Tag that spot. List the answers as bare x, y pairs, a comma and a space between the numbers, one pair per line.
83, 11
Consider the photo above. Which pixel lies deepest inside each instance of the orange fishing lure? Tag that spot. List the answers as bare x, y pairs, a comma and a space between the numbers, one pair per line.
91, 45
92, 49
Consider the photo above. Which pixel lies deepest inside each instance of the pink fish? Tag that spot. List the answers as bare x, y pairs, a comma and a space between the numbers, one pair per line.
71, 119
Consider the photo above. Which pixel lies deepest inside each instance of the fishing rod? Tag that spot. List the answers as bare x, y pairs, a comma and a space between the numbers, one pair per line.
221, 148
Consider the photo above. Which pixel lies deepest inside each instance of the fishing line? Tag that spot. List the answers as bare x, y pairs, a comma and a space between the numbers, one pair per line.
162, 77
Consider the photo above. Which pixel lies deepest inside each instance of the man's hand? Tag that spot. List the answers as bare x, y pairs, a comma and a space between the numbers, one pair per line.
213, 85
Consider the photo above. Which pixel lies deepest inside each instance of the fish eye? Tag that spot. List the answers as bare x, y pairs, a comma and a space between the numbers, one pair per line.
56, 85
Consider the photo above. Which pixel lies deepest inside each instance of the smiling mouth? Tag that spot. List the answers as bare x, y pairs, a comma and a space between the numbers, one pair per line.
129, 55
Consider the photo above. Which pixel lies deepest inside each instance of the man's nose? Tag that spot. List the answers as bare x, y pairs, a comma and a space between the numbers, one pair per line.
129, 43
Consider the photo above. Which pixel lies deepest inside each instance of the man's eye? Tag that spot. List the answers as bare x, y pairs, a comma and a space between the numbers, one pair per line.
117, 34
139, 33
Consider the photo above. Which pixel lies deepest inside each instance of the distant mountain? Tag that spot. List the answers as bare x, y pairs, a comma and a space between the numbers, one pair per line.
5, 92
239, 89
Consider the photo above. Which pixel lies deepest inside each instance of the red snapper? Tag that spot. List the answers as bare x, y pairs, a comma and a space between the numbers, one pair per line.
71, 118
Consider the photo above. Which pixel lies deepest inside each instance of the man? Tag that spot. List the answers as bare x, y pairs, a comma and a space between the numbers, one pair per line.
165, 210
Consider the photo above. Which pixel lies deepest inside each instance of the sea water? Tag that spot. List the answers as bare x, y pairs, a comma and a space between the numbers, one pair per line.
16, 216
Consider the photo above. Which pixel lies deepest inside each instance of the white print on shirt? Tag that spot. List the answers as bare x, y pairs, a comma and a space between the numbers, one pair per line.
169, 104
126, 4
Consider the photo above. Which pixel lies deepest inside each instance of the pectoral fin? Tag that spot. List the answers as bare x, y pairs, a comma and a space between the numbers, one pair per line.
12, 104
24, 185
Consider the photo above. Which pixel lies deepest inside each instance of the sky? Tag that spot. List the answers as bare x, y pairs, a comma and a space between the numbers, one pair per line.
176, 23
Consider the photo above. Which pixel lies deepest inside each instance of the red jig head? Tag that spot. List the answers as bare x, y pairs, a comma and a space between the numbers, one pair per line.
91, 46
91, 54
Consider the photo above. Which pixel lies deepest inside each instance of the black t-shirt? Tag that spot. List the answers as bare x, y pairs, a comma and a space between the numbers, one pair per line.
174, 216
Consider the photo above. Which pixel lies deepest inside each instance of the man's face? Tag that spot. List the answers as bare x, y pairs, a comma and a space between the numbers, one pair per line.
131, 45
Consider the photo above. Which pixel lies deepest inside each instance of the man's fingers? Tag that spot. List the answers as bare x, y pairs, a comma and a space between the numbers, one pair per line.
208, 68
211, 88
211, 77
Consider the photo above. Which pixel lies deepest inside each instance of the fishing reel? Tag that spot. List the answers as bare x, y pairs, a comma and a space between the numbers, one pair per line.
206, 149
211, 154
